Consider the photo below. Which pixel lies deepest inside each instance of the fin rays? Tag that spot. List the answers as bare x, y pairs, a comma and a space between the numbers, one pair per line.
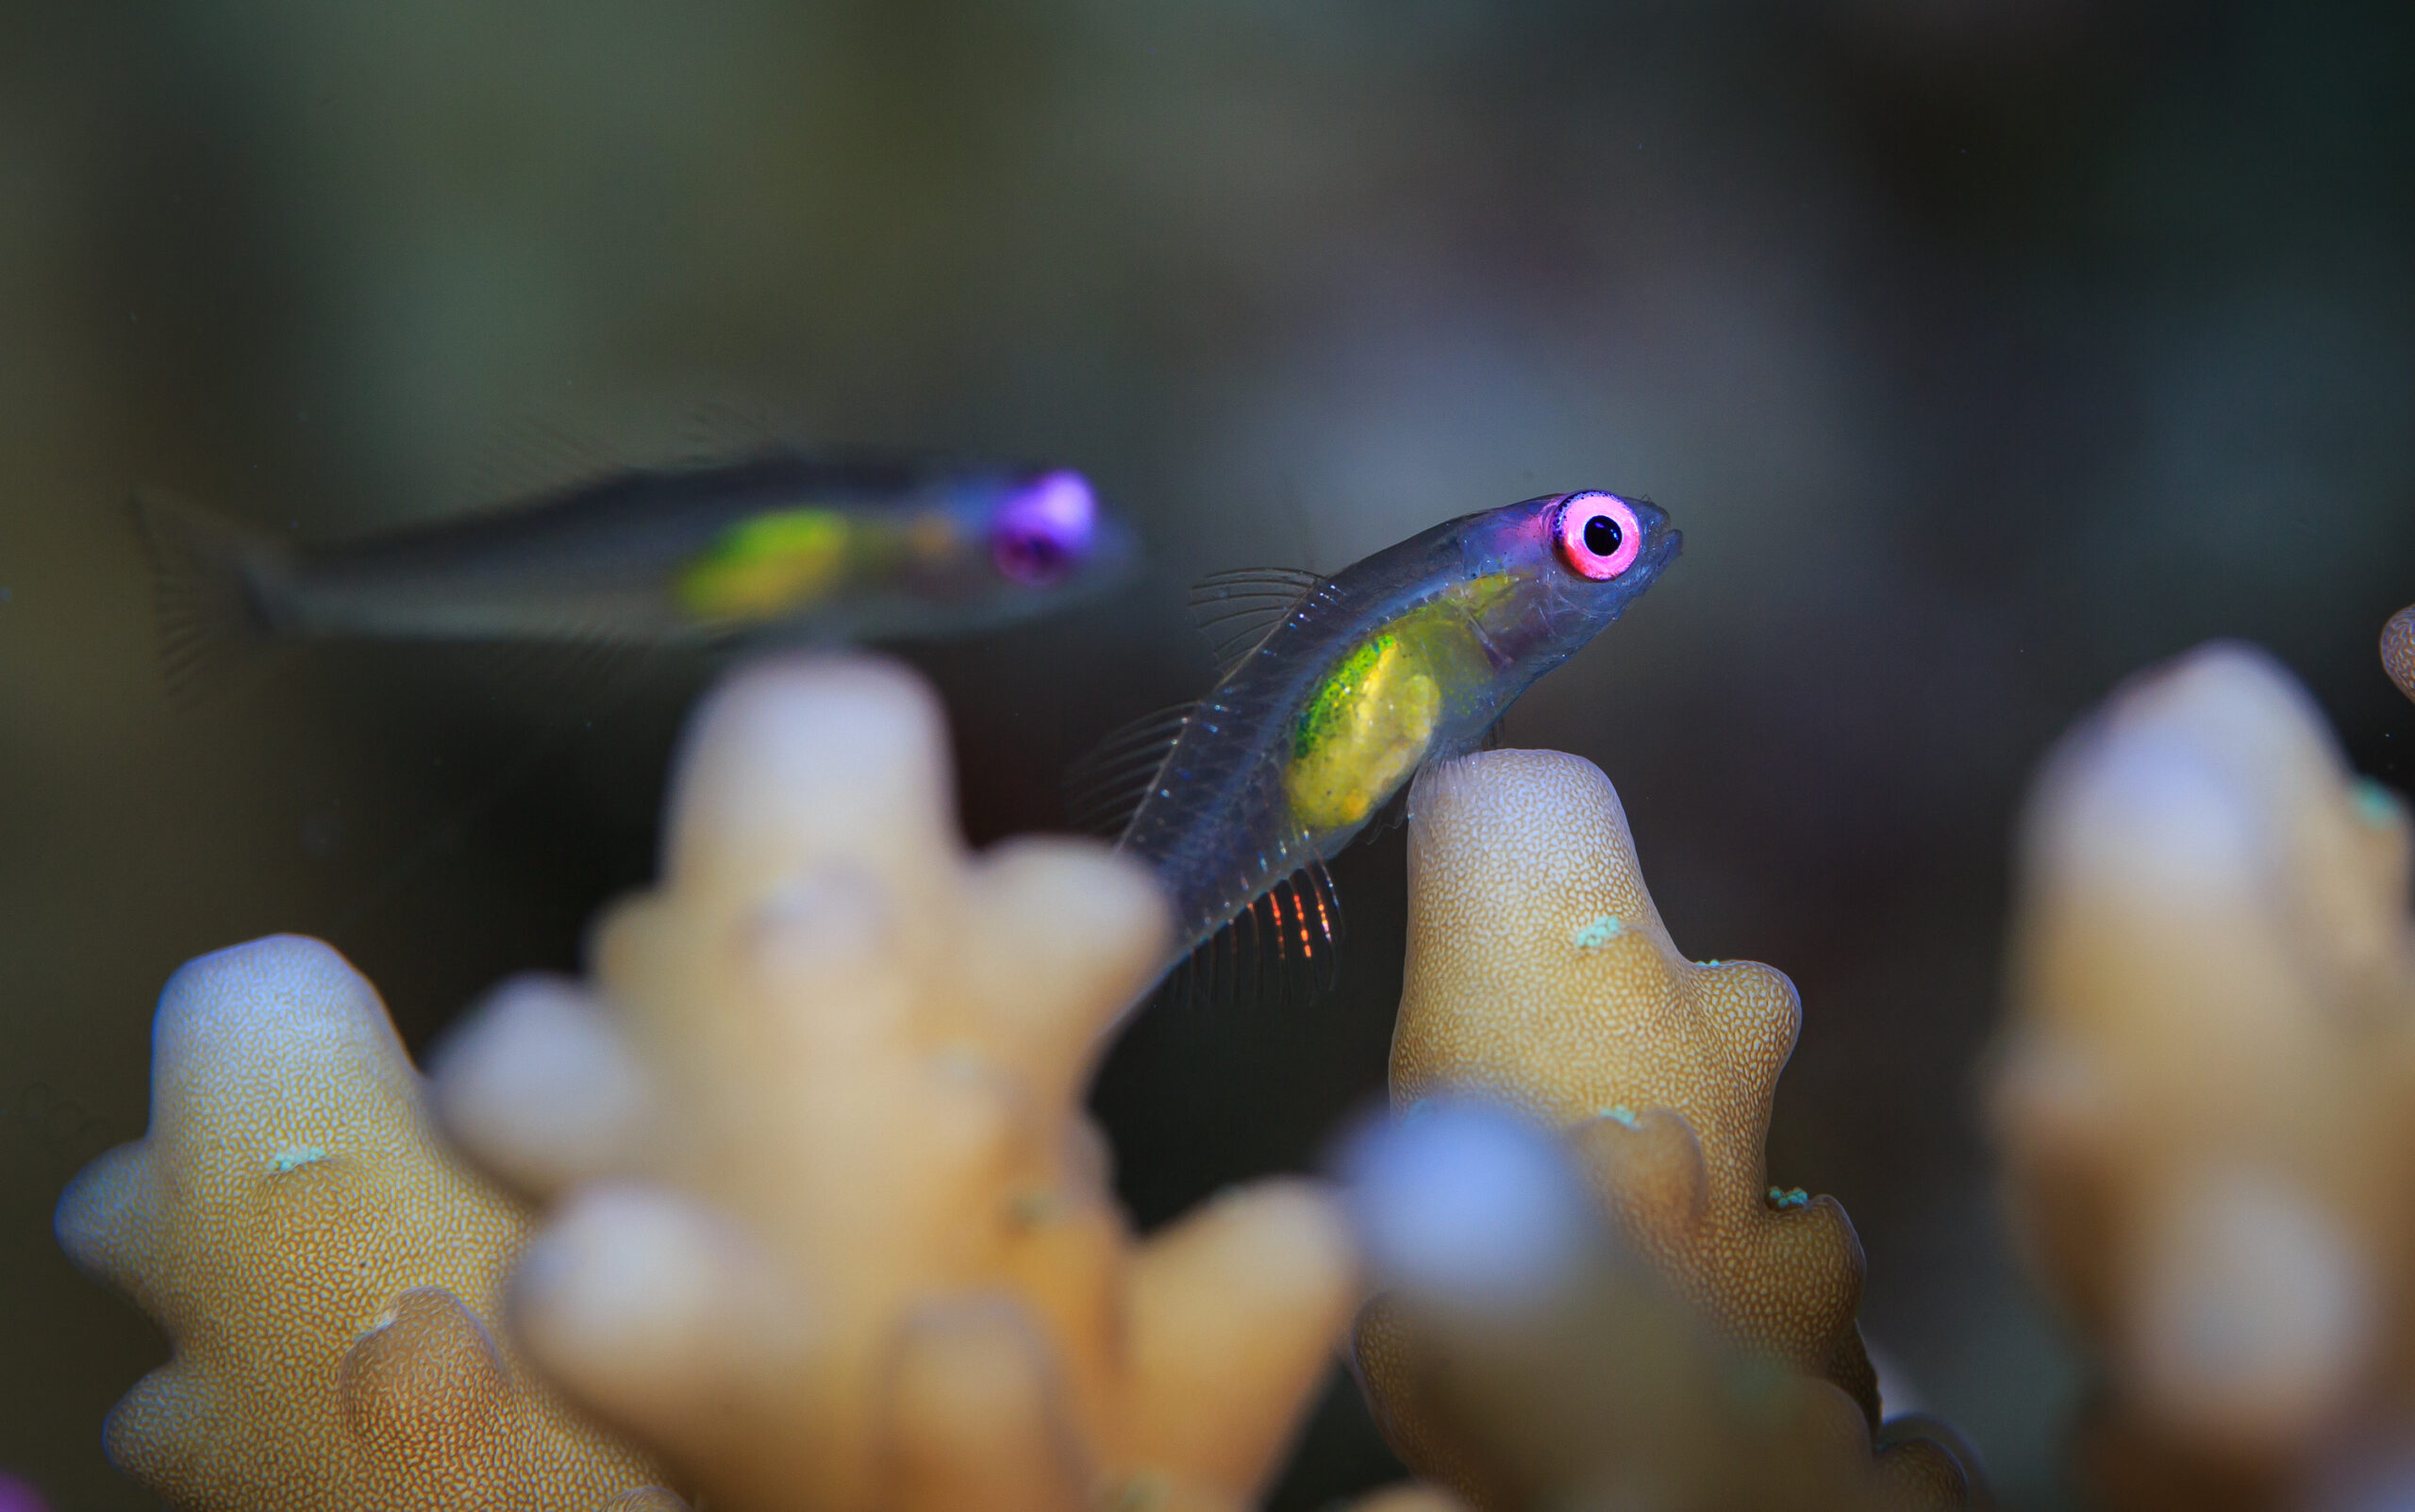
1238, 609
1103, 787
1282, 949
211, 618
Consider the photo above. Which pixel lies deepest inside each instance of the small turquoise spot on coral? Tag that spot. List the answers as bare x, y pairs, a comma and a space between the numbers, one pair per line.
293, 1159
2375, 804
1785, 1198
1035, 1208
960, 1062
1710, 963
1605, 929
1620, 1113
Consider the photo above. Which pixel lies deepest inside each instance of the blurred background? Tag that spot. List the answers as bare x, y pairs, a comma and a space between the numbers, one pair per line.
1985, 350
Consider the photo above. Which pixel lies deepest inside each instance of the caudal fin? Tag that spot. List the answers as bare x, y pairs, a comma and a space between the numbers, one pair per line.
211, 581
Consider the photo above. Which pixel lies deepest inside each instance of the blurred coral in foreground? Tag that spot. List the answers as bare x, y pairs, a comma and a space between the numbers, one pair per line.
831, 1230
1549, 1366
329, 1274
1540, 975
2207, 1099
16, 1495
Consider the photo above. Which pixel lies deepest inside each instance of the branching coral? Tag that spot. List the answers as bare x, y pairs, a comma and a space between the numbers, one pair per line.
2207, 1097
834, 1232
2398, 649
1538, 971
330, 1276
1540, 974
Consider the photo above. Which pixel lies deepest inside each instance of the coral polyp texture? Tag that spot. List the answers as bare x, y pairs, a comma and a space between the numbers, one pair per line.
329, 1274
2207, 1098
833, 1232
1540, 974
2398, 649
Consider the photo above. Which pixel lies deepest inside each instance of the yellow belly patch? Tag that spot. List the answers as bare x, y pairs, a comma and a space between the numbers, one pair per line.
1364, 731
767, 566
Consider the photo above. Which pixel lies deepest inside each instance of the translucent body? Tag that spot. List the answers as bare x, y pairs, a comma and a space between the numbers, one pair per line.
781, 542
1407, 656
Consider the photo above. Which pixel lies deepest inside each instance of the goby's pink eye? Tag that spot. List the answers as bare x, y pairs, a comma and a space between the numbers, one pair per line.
1595, 534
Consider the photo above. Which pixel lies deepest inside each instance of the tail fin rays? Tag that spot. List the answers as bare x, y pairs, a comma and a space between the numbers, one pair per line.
209, 590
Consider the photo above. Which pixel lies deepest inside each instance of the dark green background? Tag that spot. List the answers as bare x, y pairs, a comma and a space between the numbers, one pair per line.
1985, 351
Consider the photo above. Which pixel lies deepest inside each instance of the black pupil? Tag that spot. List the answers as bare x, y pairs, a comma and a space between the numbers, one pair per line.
1602, 536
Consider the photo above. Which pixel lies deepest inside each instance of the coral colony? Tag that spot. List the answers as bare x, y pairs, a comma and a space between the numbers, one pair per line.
331, 1272
2229, 1223
1657, 1074
790, 1203
847, 1240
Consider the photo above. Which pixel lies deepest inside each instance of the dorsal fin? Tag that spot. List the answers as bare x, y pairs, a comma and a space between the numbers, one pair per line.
1103, 786
529, 457
1238, 609
719, 428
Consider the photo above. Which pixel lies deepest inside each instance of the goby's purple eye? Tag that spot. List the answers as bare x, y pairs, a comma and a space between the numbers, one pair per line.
1043, 530
1595, 534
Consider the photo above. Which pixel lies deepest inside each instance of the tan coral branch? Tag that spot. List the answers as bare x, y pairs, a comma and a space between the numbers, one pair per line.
838, 1235
2204, 1099
1540, 972
329, 1274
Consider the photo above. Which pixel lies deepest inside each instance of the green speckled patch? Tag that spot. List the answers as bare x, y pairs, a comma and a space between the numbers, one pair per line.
766, 566
1334, 696
1362, 733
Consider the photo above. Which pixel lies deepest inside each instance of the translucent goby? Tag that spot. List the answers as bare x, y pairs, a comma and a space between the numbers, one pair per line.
1335, 692
778, 543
